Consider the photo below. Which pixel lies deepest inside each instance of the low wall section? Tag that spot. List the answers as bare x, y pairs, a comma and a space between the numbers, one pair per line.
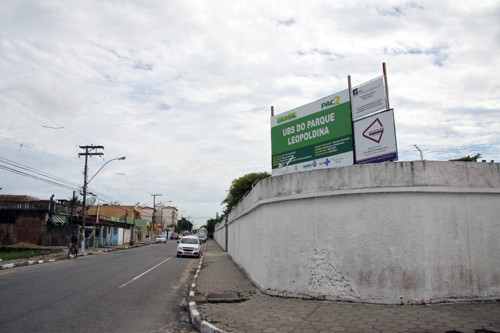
405, 232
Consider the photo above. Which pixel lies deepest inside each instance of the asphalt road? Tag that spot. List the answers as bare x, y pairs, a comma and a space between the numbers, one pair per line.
134, 290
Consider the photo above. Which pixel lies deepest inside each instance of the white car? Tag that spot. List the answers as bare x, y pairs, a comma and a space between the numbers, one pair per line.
189, 246
161, 239
202, 237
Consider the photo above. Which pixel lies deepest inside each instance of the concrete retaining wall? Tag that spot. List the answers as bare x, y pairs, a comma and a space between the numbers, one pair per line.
406, 232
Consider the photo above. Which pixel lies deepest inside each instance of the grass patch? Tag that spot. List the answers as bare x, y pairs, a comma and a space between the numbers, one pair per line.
10, 253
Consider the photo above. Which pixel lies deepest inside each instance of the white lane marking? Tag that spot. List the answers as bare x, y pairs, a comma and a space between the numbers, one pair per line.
149, 270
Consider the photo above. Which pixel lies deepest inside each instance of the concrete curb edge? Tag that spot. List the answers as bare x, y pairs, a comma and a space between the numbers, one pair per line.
28, 262
202, 326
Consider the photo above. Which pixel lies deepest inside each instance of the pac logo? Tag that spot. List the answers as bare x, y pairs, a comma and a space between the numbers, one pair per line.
333, 102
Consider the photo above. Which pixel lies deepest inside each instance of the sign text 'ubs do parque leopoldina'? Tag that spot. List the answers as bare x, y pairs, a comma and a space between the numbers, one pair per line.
315, 135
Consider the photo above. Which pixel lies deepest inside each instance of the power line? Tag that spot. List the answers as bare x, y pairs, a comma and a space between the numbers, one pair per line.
22, 146
19, 111
11, 103
34, 173
36, 177
8, 102
38, 118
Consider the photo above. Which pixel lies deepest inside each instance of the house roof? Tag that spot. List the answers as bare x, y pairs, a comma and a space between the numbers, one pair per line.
14, 197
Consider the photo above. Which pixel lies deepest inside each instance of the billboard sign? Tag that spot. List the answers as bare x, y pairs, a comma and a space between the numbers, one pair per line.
368, 98
375, 138
315, 135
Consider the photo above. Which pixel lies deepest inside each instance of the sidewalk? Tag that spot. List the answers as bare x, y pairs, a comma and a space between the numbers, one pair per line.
223, 299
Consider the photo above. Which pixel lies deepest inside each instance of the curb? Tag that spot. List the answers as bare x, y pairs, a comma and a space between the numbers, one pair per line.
25, 263
62, 257
202, 326
35, 262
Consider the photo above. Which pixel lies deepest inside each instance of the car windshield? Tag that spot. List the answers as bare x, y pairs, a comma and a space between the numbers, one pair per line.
189, 240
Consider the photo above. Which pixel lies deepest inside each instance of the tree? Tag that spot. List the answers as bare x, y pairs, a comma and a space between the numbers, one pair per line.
211, 224
74, 201
183, 225
468, 158
239, 187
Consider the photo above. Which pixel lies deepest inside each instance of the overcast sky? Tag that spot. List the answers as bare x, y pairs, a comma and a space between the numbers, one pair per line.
183, 89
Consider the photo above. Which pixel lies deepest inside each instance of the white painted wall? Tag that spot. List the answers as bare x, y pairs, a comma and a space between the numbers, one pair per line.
220, 234
120, 236
126, 236
406, 232
123, 236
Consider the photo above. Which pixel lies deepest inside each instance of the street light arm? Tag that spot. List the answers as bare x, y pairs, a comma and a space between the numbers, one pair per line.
113, 159
421, 154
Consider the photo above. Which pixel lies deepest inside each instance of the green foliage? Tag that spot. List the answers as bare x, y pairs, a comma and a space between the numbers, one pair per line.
211, 224
183, 225
239, 187
75, 201
469, 158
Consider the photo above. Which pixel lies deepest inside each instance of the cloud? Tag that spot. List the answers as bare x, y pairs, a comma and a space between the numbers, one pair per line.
184, 89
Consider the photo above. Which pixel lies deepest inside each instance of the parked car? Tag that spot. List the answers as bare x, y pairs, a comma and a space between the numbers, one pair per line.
189, 246
174, 236
161, 239
202, 237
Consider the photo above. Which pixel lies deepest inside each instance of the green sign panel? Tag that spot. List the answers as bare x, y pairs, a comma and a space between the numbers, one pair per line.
316, 135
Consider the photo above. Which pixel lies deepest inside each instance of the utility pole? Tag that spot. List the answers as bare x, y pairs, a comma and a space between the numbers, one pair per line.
153, 219
89, 151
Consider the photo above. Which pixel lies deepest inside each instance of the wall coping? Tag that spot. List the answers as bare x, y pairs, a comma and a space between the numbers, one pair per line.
389, 177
